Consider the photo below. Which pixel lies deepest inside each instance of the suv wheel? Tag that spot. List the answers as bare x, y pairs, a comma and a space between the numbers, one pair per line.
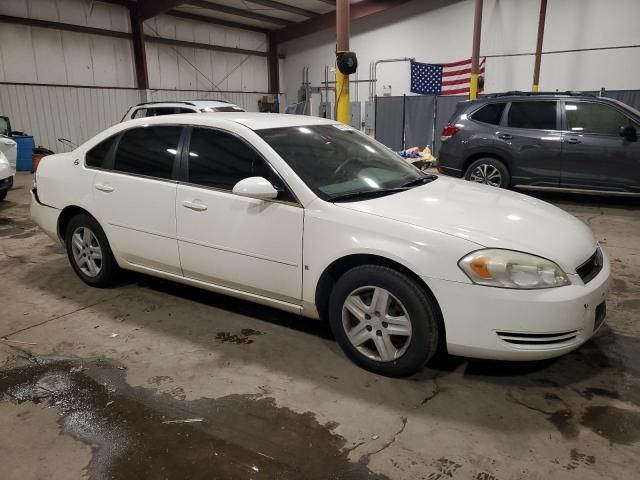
383, 320
488, 171
89, 252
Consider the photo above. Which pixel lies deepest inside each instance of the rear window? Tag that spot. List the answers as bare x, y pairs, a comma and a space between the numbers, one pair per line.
98, 154
148, 151
491, 113
534, 115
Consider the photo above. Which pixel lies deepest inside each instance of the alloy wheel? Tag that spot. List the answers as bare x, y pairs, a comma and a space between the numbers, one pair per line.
487, 174
376, 323
87, 252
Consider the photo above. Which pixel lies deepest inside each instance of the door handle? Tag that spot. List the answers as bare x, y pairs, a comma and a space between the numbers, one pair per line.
505, 136
198, 207
572, 140
104, 188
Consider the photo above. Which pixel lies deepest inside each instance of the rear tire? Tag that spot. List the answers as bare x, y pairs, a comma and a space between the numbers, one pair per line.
383, 320
489, 171
3, 195
89, 252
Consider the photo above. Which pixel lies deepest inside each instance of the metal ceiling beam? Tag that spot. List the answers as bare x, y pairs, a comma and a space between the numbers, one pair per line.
214, 20
284, 7
151, 8
239, 12
328, 20
67, 27
204, 46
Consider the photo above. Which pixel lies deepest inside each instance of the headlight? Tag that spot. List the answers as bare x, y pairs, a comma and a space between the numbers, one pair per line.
510, 269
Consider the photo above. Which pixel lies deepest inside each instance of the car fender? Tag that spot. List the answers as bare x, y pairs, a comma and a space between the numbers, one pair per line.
332, 233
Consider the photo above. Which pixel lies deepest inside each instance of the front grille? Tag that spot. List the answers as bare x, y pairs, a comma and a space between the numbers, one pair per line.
539, 340
591, 268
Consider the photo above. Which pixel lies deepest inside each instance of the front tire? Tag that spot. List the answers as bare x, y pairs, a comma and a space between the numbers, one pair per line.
383, 320
89, 252
489, 171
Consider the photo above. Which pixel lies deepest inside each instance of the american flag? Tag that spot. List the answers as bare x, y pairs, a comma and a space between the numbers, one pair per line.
443, 78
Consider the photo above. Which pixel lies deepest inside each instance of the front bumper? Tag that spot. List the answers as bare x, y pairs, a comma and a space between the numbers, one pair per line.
508, 324
46, 217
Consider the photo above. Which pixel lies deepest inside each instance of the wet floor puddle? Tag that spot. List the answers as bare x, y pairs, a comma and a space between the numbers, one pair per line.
137, 433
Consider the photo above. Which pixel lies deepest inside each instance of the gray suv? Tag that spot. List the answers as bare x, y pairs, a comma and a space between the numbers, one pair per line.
545, 141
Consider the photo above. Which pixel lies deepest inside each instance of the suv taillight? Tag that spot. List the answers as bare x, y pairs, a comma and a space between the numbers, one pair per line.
448, 131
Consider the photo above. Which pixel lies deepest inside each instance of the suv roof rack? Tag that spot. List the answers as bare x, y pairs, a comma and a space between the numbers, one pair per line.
210, 100
166, 101
516, 93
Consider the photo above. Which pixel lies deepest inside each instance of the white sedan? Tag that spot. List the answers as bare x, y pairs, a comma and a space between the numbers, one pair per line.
310, 216
8, 154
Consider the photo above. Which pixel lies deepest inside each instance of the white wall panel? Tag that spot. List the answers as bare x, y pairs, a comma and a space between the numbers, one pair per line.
48, 113
438, 31
90, 13
43, 55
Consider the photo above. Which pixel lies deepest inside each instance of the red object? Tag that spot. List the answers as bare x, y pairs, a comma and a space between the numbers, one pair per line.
440, 169
448, 131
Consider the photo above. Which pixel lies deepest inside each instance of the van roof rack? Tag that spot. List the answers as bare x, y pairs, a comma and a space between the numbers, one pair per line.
518, 93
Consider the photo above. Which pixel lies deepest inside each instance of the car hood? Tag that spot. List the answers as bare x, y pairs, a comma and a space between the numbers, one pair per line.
489, 217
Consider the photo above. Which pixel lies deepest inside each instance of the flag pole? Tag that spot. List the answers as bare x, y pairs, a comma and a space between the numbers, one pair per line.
541, 22
475, 56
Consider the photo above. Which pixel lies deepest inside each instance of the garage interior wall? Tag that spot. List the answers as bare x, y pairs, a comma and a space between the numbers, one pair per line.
438, 31
57, 83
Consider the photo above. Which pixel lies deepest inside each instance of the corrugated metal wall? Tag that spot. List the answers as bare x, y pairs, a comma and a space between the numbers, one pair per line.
50, 112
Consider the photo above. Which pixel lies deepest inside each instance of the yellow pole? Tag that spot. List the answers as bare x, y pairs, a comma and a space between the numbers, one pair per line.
473, 88
343, 107
343, 31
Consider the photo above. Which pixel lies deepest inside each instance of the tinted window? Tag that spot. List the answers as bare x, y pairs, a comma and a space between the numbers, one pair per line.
184, 110
148, 151
154, 112
220, 160
97, 155
491, 113
586, 117
535, 115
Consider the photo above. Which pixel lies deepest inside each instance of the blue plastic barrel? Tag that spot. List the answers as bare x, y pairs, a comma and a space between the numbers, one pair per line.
25, 144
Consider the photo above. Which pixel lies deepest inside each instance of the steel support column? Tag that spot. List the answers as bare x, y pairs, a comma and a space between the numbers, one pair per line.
541, 22
343, 31
139, 51
475, 55
274, 66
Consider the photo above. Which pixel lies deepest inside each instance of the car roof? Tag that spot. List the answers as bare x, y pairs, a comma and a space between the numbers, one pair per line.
254, 121
192, 103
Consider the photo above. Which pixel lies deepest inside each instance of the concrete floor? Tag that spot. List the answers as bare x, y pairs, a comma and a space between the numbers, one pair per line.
91, 375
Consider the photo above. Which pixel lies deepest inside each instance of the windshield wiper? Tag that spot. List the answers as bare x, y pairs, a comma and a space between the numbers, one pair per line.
354, 196
420, 181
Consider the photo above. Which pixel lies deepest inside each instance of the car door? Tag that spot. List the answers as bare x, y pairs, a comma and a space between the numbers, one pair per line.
242, 243
594, 154
135, 193
530, 135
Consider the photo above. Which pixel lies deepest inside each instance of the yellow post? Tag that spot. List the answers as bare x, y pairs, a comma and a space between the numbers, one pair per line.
535, 87
343, 107
473, 87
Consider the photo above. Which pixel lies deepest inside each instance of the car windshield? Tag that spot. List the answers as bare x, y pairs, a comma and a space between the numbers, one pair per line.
340, 163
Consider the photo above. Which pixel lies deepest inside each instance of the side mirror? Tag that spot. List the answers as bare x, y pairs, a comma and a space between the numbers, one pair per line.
255, 187
628, 132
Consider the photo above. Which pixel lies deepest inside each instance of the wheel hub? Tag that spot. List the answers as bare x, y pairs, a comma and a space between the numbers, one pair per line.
376, 323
